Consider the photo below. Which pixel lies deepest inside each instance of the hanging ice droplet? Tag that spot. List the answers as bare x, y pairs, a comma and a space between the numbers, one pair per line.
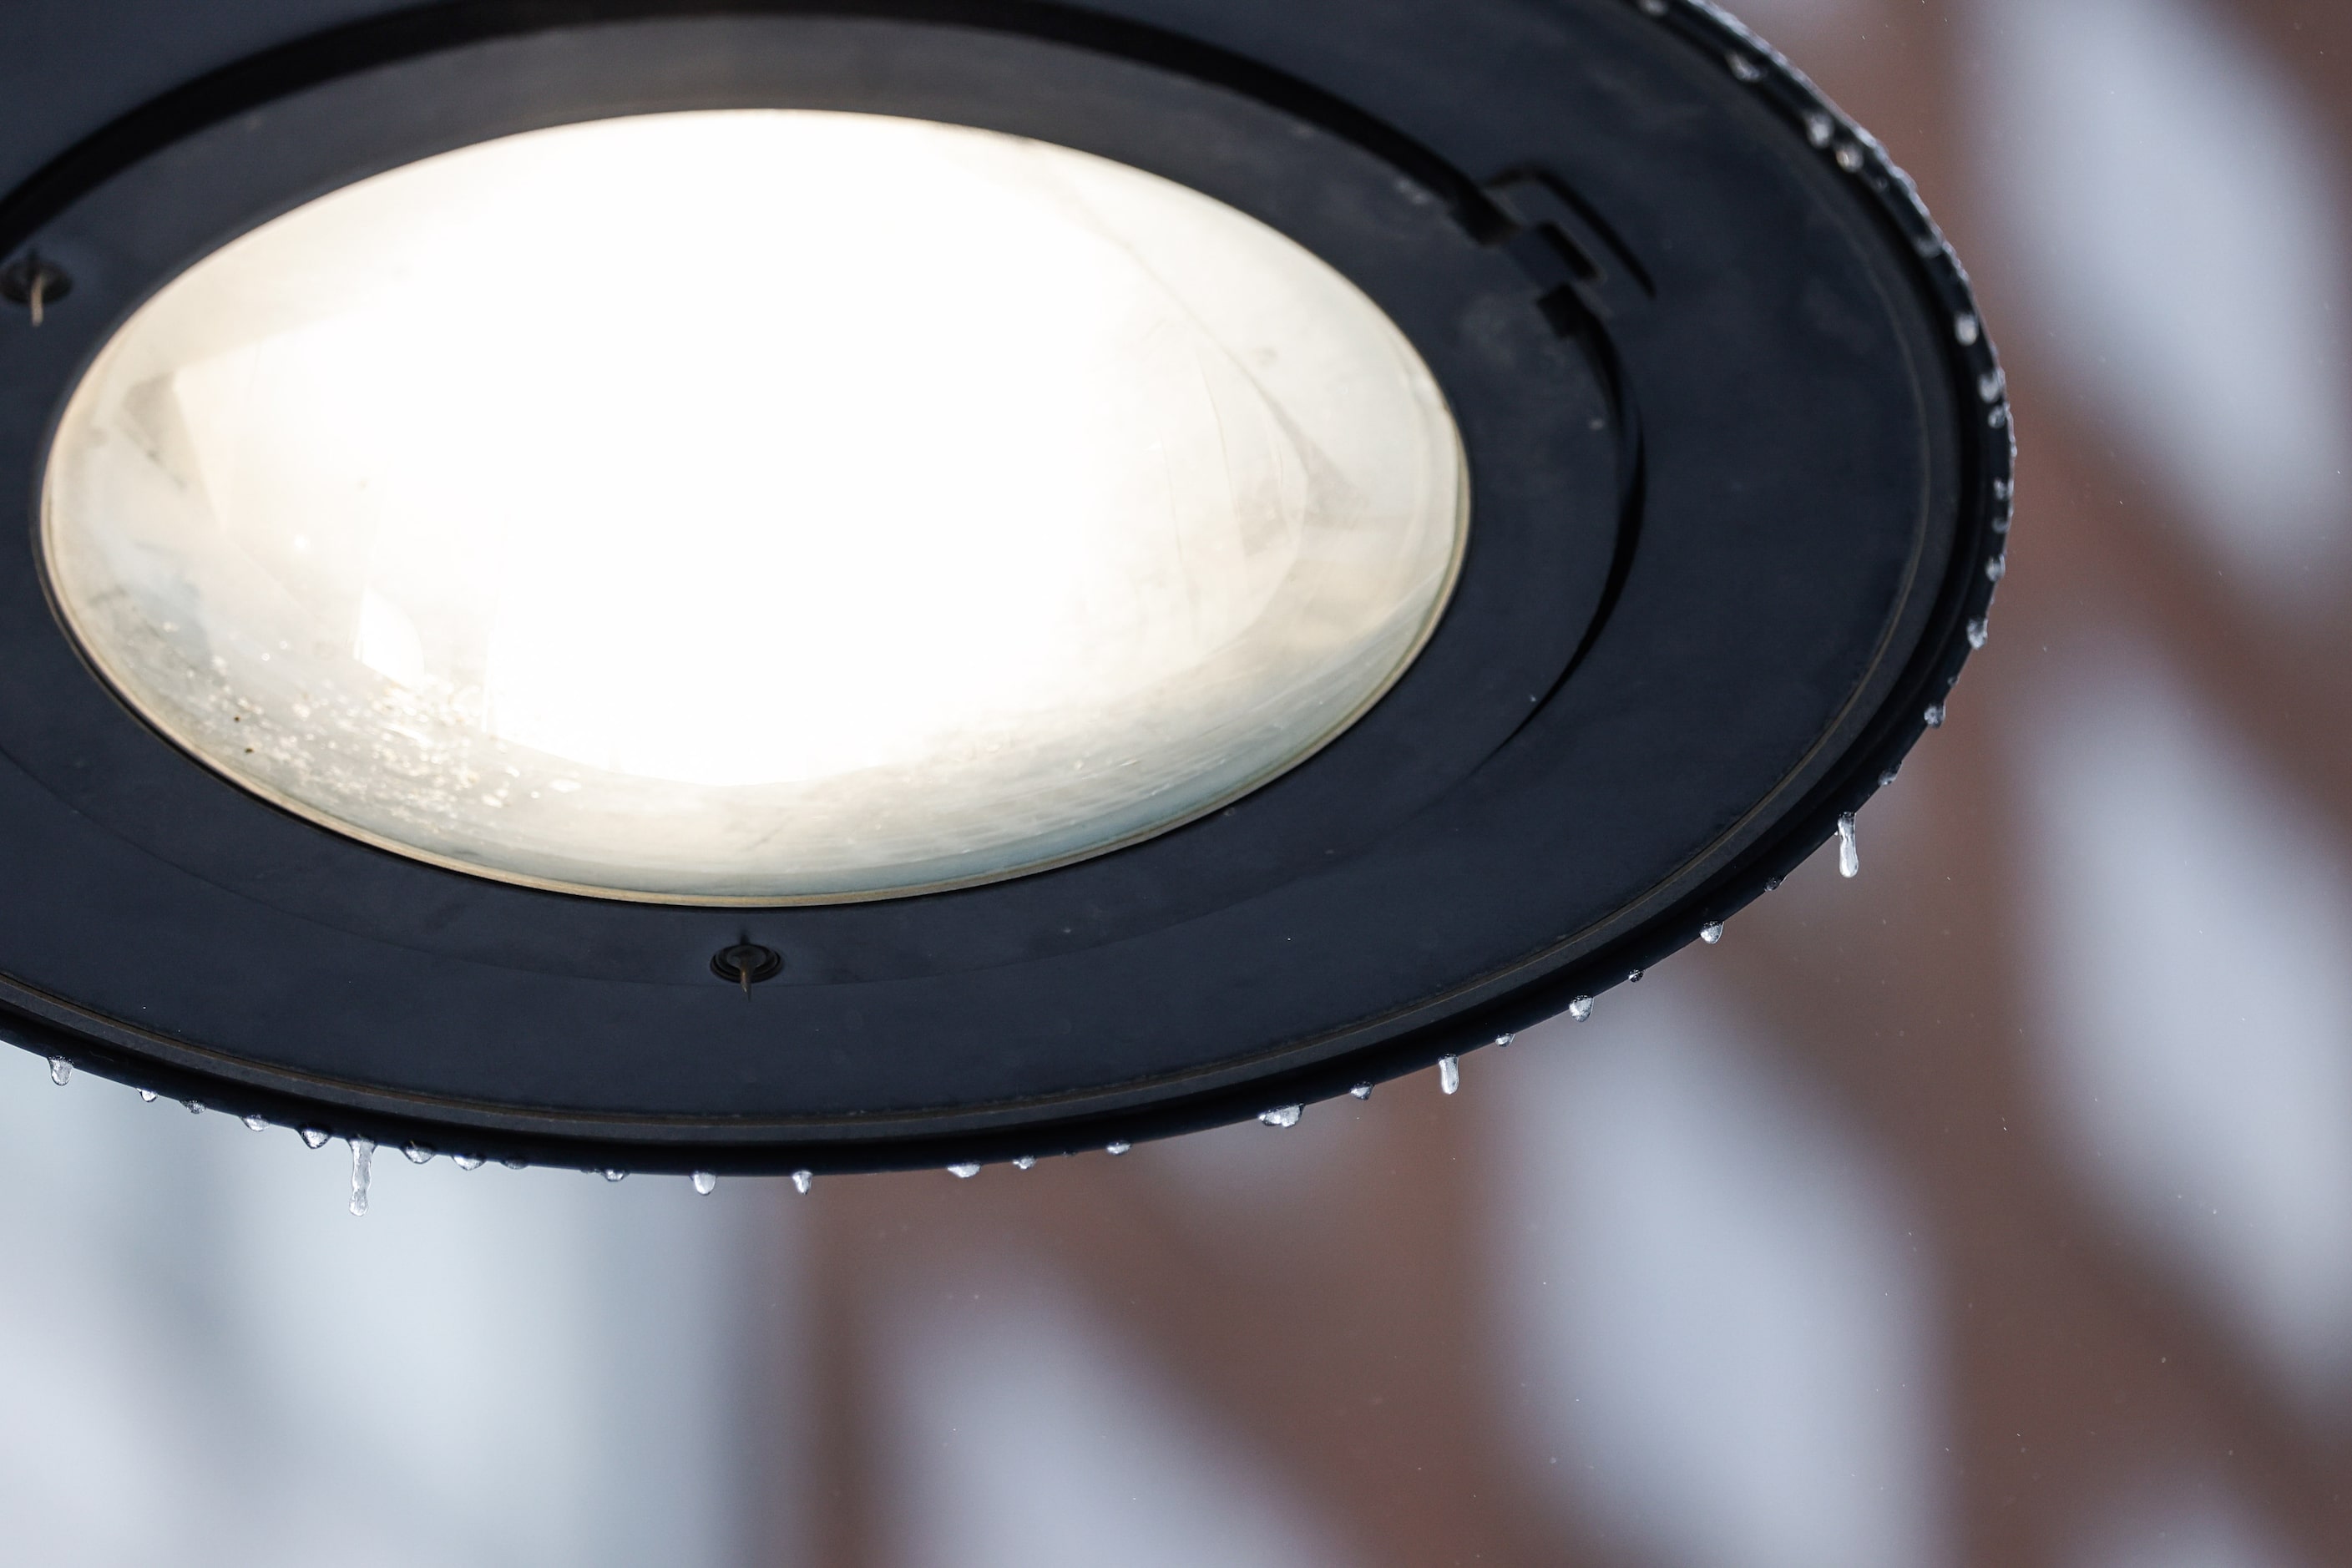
964, 1171
1773, 885
256, 1123
1505, 1039
1026, 1162
514, 1164
609, 1175
1997, 568
194, 1107
1745, 70
419, 1154
1934, 716
2004, 489
466, 1162
147, 1096
802, 1181
1992, 384
1580, 1009
1980, 631
1633, 976
1848, 157
1282, 1116
1886, 778
362, 1154
1121, 1147
1849, 852
1449, 1074
1711, 932
1820, 128
314, 1137
1362, 1091
1968, 329
705, 1183
60, 1071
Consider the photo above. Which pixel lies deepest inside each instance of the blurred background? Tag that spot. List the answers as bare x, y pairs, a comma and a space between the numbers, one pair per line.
1994, 1209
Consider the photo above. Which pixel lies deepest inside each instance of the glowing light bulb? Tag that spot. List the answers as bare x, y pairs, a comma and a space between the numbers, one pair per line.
758, 505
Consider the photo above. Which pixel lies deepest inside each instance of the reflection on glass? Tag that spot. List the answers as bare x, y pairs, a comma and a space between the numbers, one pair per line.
756, 505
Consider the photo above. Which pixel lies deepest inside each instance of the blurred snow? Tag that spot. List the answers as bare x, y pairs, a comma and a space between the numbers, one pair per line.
1720, 1320
205, 1360
2193, 919
2174, 235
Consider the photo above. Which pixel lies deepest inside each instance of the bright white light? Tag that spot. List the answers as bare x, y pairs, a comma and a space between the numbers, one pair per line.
756, 505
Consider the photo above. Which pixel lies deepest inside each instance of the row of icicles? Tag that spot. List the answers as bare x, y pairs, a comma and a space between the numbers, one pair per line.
1449, 1080
1449, 1068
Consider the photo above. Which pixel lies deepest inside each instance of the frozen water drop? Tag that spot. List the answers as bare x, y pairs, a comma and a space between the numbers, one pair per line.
1711, 932
514, 1164
1026, 1162
194, 1107
610, 1175
314, 1137
1848, 157
418, 1153
60, 1071
1968, 329
148, 1096
1849, 852
1449, 1075
1820, 128
965, 1170
1745, 70
1505, 1039
1980, 631
1120, 1147
256, 1123
1362, 1091
1997, 568
1282, 1116
1886, 778
1580, 1009
1934, 716
1773, 885
705, 1183
802, 1181
363, 1154
468, 1162
1992, 384
1633, 976
2004, 489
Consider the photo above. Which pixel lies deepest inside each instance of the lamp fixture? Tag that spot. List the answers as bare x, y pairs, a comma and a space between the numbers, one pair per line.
800, 586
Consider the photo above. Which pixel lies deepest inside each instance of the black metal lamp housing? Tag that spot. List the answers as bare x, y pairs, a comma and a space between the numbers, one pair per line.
1738, 468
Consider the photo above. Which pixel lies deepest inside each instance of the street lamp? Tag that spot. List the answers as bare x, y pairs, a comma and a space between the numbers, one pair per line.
819, 586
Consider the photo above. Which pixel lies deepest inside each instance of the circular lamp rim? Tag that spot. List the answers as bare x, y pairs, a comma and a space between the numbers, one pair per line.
1694, 51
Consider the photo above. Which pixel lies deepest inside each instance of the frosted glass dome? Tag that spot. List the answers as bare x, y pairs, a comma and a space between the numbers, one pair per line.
755, 506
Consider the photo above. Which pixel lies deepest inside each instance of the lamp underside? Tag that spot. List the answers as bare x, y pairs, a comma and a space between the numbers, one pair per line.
1732, 445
